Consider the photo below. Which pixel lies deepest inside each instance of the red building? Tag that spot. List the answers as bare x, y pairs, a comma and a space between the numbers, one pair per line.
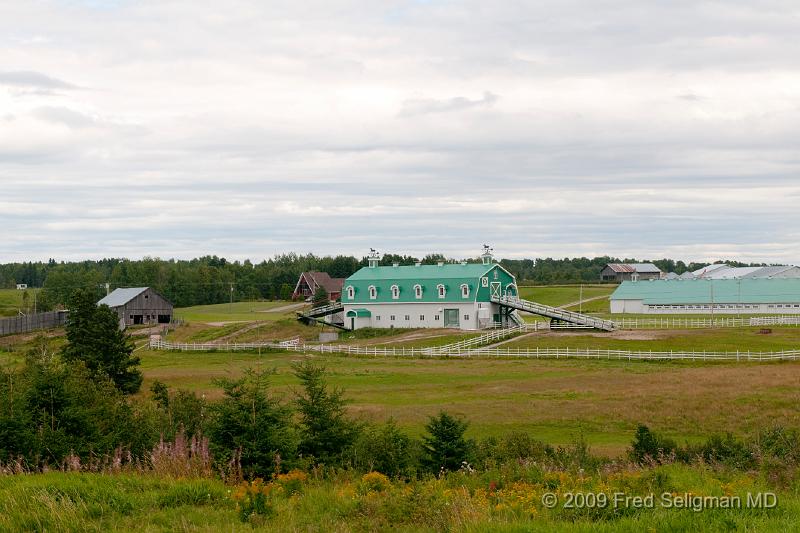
309, 282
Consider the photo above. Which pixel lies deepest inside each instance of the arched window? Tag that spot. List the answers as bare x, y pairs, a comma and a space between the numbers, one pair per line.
442, 292
351, 292
418, 291
464, 290
373, 292
511, 290
395, 292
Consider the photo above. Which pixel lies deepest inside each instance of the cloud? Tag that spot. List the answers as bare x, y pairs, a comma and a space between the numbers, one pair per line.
413, 107
28, 79
65, 116
542, 128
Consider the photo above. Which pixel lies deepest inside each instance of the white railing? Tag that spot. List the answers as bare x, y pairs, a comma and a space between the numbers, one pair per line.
554, 312
704, 323
538, 353
487, 338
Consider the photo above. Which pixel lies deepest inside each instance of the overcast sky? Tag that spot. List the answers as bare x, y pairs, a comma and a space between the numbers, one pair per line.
545, 128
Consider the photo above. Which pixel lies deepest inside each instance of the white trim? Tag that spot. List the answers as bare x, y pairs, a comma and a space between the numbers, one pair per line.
373, 292
441, 290
395, 292
464, 293
351, 292
418, 291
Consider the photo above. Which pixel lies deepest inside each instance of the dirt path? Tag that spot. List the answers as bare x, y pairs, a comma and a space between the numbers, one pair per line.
290, 307
229, 336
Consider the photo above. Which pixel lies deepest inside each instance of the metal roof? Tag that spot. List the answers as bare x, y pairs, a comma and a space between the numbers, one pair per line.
121, 296
731, 273
446, 271
642, 268
360, 312
722, 271
725, 291
776, 271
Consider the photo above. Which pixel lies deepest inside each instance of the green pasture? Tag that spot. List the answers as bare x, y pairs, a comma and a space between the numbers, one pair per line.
12, 301
558, 295
555, 400
235, 312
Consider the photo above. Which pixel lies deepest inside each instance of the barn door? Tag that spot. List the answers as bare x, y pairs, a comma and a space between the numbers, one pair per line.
451, 318
494, 289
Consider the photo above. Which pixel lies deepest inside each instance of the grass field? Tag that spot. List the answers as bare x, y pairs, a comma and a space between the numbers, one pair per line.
558, 295
236, 312
12, 301
125, 502
554, 400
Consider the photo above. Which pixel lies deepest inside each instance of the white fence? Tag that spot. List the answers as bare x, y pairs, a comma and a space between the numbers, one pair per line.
533, 353
703, 323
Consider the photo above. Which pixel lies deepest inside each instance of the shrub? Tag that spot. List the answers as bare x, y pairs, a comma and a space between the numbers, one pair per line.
385, 449
648, 446
292, 482
375, 482
727, 450
515, 447
255, 499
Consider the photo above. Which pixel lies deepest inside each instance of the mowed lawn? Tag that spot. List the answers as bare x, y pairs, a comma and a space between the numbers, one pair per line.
555, 400
237, 311
558, 295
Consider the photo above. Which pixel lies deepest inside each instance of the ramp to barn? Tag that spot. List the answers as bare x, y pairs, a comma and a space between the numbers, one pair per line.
318, 314
554, 313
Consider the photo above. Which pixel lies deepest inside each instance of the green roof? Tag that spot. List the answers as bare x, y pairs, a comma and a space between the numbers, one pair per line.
358, 312
446, 271
452, 277
725, 291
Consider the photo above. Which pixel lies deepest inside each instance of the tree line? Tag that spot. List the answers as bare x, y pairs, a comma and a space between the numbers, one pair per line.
212, 279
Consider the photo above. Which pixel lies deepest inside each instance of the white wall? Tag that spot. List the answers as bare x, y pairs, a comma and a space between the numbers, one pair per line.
638, 307
414, 311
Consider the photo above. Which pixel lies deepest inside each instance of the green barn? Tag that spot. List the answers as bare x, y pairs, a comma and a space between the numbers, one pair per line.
447, 295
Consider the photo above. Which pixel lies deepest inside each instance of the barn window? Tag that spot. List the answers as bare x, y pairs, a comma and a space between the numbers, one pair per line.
408, 317
351, 292
466, 317
441, 290
395, 292
391, 317
373, 292
422, 318
418, 291
465, 290
484, 281
436, 317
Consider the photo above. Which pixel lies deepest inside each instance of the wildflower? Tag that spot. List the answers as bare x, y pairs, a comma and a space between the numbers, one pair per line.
375, 481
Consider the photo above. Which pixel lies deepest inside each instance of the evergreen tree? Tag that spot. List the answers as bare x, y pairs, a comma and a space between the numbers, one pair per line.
320, 297
326, 431
445, 446
94, 337
253, 422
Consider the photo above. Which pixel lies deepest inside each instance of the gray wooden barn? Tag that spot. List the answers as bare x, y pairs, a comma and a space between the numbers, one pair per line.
139, 305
